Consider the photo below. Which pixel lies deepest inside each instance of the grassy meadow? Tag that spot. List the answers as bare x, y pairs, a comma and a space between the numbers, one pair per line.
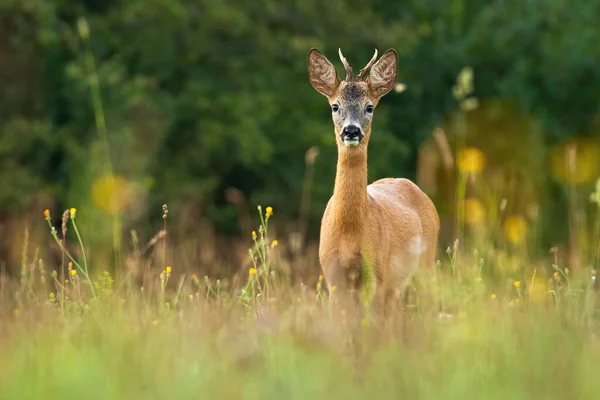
502, 319
472, 332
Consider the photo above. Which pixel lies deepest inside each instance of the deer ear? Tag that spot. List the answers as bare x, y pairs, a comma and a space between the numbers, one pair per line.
384, 74
322, 73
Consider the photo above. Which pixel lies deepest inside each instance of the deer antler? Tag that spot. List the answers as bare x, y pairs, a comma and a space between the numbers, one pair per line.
366, 68
347, 66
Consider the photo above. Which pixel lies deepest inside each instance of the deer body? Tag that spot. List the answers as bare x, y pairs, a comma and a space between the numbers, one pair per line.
372, 236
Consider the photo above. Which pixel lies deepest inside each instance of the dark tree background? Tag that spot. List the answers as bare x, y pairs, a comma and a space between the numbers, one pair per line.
202, 96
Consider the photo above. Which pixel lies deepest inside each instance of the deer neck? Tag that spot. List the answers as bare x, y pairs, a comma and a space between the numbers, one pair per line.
350, 199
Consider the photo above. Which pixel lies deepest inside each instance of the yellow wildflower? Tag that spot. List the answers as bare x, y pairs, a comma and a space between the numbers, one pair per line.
556, 275
112, 193
575, 160
254, 235
470, 160
269, 211
320, 277
493, 296
155, 322
47, 213
333, 288
515, 229
73, 211
252, 271
191, 297
474, 211
70, 264
73, 272
478, 279
517, 284
275, 243
168, 270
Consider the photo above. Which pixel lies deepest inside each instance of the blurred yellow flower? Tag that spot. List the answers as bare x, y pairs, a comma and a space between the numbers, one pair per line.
493, 296
269, 211
111, 193
474, 211
254, 235
516, 229
73, 211
168, 270
275, 243
320, 278
575, 160
16, 312
538, 293
333, 288
517, 284
47, 213
191, 297
470, 160
155, 322
252, 271
556, 275
70, 264
73, 272
478, 279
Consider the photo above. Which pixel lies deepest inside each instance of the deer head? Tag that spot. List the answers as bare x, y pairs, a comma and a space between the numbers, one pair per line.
353, 100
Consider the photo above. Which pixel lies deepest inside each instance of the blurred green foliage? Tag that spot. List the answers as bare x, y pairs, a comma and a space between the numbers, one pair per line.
200, 96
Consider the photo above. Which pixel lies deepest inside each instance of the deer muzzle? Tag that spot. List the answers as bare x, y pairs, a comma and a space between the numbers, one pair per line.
351, 135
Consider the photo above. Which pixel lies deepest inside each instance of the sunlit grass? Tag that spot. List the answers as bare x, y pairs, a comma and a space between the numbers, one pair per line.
87, 335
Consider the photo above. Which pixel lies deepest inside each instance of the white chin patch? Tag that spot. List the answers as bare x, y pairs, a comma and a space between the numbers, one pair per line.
351, 142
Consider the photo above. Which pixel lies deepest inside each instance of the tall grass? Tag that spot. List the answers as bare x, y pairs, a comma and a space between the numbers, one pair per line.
185, 337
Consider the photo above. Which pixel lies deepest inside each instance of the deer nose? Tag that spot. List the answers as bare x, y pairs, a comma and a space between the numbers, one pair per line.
351, 131
351, 135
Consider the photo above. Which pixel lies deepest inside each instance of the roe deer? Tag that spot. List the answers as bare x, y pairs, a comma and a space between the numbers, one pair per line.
373, 237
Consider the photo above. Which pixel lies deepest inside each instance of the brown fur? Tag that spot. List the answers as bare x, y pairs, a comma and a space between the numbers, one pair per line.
391, 226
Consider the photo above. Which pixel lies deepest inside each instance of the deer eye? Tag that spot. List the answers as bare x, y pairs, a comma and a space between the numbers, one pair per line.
335, 107
369, 108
